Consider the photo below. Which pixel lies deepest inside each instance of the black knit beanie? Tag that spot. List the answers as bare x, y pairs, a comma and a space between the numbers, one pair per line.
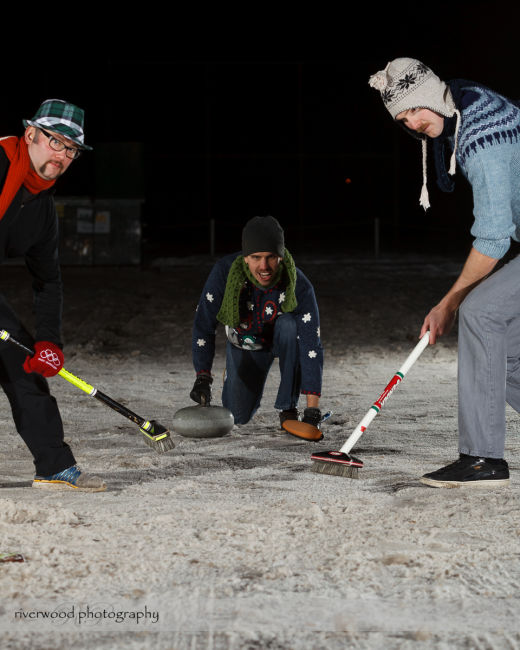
263, 235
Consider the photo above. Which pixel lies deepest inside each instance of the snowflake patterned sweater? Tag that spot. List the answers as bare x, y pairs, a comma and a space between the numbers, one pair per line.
259, 309
488, 154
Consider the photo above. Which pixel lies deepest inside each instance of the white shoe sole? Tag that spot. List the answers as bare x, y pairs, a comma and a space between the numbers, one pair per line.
464, 484
63, 485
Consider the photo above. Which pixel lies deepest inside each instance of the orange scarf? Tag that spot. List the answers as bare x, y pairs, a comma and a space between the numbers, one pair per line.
20, 172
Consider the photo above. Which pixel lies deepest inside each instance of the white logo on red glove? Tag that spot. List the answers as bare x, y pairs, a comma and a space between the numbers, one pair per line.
50, 358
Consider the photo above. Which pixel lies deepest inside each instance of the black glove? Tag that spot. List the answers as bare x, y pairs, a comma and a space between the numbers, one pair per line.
201, 391
312, 416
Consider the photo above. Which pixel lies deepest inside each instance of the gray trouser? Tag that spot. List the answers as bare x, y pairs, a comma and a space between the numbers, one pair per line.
489, 361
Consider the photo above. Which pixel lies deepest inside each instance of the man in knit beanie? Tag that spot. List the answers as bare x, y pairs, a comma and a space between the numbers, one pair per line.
480, 130
268, 308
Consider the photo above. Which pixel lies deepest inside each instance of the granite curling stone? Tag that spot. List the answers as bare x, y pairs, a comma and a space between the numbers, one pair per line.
203, 421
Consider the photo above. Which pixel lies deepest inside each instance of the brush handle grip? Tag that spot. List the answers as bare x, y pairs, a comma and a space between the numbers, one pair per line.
79, 383
392, 385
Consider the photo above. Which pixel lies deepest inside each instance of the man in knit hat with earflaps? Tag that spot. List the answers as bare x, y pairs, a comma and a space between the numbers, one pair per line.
29, 167
480, 130
269, 309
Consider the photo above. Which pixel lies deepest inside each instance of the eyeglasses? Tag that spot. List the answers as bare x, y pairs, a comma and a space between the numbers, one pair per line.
58, 145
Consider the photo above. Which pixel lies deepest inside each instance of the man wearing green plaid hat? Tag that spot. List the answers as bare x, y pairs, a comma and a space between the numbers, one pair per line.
29, 167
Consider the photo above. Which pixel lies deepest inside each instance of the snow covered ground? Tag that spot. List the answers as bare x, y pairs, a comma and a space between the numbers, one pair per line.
233, 542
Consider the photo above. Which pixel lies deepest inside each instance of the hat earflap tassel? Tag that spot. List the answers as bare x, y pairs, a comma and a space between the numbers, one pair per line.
453, 159
424, 199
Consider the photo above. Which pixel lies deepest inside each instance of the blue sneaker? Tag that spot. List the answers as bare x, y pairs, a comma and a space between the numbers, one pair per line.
70, 478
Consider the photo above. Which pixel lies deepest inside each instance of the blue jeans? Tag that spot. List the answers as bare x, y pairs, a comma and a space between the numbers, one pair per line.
246, 373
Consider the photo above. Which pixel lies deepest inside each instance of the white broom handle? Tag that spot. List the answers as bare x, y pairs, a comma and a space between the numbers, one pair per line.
378, 404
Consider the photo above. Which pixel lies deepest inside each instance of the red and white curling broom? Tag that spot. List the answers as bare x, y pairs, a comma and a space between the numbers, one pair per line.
340, 463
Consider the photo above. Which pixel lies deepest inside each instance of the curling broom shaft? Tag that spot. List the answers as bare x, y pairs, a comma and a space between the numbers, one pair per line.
379, 403
94, 392
87, 388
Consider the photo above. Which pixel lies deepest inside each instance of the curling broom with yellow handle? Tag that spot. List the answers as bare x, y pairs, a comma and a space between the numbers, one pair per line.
155, 435
340, 463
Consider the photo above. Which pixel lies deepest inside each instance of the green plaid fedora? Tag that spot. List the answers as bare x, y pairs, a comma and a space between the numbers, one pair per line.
61, 117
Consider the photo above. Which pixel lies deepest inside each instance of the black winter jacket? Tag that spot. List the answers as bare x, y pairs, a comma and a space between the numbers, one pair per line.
29, 229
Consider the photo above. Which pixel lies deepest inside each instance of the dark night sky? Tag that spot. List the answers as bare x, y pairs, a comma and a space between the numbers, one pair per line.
268, 117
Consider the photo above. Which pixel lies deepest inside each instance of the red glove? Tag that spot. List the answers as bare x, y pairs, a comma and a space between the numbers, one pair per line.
47, 359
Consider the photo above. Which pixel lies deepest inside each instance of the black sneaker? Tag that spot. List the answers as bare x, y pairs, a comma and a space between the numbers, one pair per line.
312, 416
470, 471
289, 414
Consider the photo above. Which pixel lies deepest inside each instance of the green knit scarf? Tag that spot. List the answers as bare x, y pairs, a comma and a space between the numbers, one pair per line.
229, 313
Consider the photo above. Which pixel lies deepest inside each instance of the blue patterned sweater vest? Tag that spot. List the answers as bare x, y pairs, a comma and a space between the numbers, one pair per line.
488, 154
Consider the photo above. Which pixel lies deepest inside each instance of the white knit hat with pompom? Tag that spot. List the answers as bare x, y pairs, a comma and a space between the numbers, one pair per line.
407, 83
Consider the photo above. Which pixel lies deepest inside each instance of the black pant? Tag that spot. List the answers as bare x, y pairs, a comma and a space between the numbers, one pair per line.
35, 411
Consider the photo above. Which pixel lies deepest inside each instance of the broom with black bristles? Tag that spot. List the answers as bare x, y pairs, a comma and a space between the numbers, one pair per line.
340, 463
155, 435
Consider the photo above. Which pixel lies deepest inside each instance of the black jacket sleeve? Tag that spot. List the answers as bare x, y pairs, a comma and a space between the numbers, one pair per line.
43, 264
